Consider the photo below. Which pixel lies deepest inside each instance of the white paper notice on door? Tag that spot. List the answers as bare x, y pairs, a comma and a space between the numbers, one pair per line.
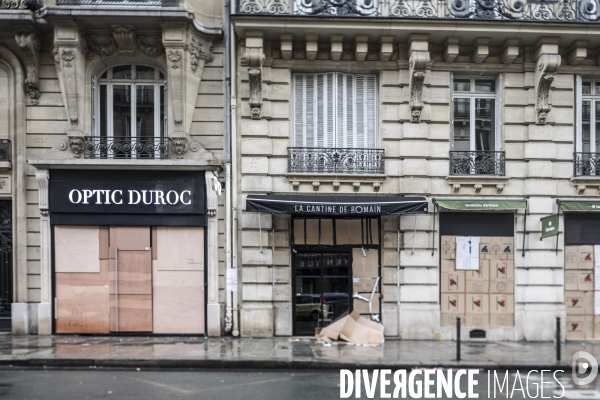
467, 252
597, 303
597, 256
597, 279
232, 280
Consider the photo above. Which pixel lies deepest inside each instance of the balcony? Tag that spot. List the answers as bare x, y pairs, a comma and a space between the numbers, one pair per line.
586, 164
489, 163
19, 5
155, 148
530, 10
335, 160
127, 3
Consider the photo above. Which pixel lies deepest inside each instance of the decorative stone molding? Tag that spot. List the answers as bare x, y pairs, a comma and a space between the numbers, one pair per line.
197, 53
417, 67
212, 198
254, 59
451, 49
179, 143
581, 189
174, 59
547, 65
351, 182
510, 51
337, 47
577, 52
583, 183
76, 142
478, 182
312, 46
103, 45
150, 45
362, 47
70, 50
125, 37
386, 48
42, 176
30, 44
287, 45
481, 50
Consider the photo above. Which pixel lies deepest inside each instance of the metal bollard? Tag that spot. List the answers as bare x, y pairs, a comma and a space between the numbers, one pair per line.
558, 339
458, 338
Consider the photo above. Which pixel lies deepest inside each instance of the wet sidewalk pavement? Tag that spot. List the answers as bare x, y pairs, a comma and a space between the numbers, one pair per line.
276, 353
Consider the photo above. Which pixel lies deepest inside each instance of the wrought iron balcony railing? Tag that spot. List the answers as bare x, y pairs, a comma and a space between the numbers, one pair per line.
19, 4
523, 10
586, 164
127, 3
477, 163
5, 150
336, 160
126, 147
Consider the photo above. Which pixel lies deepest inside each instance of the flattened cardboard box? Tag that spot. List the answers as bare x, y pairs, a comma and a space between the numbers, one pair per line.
360, 330
572, 280
586, 257
571, 257
485, 248
502, 269
453, 303
362, 307
483, 273
502, 286
580, 327
477, 303
585, 280
502, 319
368, 266
448, 265
502, 304
448, 247
477, 320
362, 284
507, 249
453, 282
449, 319
579, 303
477, 286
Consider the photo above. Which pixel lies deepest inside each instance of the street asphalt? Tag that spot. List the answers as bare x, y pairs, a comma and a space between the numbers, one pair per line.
28, 384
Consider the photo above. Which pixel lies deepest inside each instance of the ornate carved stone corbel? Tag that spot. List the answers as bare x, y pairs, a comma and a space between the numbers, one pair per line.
29, 43
76, 142
212, 197
150, 45
417, 67
198, 53
124, 37
254, 59
179, 143
547, 65
103, 45
42, 176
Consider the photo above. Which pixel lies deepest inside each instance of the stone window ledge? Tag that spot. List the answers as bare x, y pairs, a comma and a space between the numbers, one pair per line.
336, 180
477, 182
5, 165
77, 163
581, 183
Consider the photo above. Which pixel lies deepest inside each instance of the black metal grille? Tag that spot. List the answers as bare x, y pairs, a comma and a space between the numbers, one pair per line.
126, 147
586, 164
477, 163
336, 160
6, 268
5, 150
136, 3
477, 334
530, 10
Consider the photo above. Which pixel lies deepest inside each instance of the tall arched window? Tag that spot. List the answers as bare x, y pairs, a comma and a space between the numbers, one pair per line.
129, 113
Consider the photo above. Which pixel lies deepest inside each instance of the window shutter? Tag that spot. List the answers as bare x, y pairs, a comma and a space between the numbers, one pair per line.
499, 118
451, 111
329, 130
371, 105
578, 114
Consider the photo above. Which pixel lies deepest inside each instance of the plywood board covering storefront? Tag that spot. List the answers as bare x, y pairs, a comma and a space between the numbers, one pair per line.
79, 249
180, 248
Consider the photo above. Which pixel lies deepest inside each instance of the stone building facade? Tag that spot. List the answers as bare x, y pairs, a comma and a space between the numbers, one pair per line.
474, 106
105, 100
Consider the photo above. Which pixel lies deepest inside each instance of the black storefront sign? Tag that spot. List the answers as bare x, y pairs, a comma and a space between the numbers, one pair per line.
157, 198
336, 206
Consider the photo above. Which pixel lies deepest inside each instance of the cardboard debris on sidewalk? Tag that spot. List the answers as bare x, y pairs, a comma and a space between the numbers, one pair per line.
352, 329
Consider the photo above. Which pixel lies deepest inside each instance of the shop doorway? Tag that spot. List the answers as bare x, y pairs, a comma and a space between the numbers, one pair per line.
322, 288
6, 267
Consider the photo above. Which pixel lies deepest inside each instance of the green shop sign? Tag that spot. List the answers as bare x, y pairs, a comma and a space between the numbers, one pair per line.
549, 226
580, 205
482, 204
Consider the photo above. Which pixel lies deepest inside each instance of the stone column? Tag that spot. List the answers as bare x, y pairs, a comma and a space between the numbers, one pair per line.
44, 309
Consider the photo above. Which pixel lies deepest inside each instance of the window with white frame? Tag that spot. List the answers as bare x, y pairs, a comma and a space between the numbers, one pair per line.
130, 110
476, 126
335, 110
587, 127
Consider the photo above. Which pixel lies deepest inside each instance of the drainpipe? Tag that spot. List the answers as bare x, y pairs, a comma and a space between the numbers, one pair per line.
228, 307
234, 184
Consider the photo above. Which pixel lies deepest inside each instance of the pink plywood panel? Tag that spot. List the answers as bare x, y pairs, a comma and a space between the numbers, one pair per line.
129, 238
77, 249
180, 249
135, 313
135, 272
153, 242
178, 309
82, 302
104, 243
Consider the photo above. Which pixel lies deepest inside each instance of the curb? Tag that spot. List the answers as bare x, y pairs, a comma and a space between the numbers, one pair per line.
263, 364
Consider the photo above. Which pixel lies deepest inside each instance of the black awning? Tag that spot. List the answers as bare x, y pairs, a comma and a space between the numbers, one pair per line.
336, 206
